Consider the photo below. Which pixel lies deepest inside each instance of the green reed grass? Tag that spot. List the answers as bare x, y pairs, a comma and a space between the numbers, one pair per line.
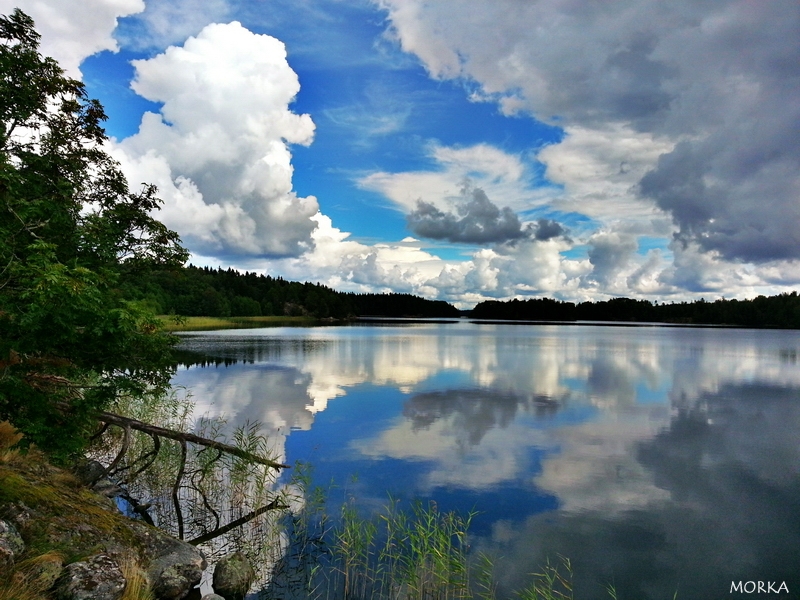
414, 553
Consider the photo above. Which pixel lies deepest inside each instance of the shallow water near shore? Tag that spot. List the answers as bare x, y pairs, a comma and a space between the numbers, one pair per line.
656, 459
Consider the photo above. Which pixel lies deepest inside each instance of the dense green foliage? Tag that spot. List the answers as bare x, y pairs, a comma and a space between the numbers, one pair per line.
193, 291
402, 305
776, 311
69, 229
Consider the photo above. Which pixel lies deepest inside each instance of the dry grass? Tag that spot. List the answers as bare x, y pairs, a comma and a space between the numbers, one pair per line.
9, 436
32, 578
137, 587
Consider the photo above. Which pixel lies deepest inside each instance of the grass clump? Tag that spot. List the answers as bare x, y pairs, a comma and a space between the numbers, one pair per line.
415, 554
136, 587
553, 582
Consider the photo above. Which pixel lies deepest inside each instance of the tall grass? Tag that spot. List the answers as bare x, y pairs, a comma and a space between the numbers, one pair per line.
553, 582
416, 554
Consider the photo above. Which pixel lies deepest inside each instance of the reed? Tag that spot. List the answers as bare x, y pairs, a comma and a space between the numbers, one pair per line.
221, 502
553, 582
413, 553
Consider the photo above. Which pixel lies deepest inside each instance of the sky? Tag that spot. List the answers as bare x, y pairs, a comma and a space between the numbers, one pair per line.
463, 150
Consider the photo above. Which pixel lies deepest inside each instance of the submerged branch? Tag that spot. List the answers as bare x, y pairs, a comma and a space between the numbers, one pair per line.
274, 505
148, 458
176, 489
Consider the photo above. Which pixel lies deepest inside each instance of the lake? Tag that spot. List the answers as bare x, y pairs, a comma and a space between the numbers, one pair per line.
657, 459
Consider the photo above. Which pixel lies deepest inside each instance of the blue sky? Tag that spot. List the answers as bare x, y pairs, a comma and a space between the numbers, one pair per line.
459, 150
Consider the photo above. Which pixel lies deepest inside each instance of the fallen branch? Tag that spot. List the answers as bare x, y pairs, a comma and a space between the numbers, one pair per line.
179, 436
274, 505
115, 419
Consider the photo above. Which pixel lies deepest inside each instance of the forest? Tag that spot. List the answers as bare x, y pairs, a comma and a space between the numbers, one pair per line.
195, 291
203, 291
781, 311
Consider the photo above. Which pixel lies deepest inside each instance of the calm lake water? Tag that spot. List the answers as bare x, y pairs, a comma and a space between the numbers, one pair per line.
657, 459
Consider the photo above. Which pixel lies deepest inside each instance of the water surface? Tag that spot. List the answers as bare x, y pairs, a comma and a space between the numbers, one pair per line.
656, 459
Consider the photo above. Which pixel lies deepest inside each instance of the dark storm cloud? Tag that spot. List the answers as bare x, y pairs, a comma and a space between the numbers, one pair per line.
745, 207
547, 229
721, 79
609, 254
479, 221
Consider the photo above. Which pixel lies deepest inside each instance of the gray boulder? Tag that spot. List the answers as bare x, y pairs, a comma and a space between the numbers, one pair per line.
233, 576
212, 597
44, 572
11, 544
98, 578
89, 472
176, 568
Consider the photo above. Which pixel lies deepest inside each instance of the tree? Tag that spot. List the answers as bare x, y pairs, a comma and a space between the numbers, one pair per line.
70, 230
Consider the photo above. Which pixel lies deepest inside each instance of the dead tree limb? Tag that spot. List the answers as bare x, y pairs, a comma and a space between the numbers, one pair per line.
176, 501
148, 458
126, 439
274, 505
115, 419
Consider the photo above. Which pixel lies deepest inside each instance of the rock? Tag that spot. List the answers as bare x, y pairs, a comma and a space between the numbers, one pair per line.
43, 572
17, 513
212, 597
11, 544
89, 472
176, 568
107, 488
194, 594
98, 578
233, 576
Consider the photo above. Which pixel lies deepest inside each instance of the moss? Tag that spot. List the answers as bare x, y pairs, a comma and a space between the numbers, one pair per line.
61, 515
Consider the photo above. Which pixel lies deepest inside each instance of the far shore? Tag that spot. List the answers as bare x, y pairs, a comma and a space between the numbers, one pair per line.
173, 323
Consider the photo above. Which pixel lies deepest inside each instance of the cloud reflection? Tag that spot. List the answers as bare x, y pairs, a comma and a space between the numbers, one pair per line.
728, 473
674, 454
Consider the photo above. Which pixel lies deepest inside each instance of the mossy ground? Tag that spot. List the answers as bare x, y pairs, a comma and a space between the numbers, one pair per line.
60, 521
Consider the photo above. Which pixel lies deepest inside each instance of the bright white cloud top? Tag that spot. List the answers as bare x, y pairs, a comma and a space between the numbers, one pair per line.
219, 148
496, 149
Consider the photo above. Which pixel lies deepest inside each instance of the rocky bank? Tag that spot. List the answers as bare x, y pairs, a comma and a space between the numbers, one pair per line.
61, 540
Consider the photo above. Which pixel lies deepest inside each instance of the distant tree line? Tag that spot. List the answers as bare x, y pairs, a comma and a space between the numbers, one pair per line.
775, 311
202, 291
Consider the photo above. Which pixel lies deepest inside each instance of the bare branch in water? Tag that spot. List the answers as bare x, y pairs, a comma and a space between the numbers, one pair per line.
274, 505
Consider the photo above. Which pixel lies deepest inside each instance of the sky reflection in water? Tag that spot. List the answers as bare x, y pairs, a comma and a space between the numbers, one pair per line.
655, 458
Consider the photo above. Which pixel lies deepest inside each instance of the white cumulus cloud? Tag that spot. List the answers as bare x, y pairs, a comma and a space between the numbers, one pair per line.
73, 30
219, 149
684, 108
